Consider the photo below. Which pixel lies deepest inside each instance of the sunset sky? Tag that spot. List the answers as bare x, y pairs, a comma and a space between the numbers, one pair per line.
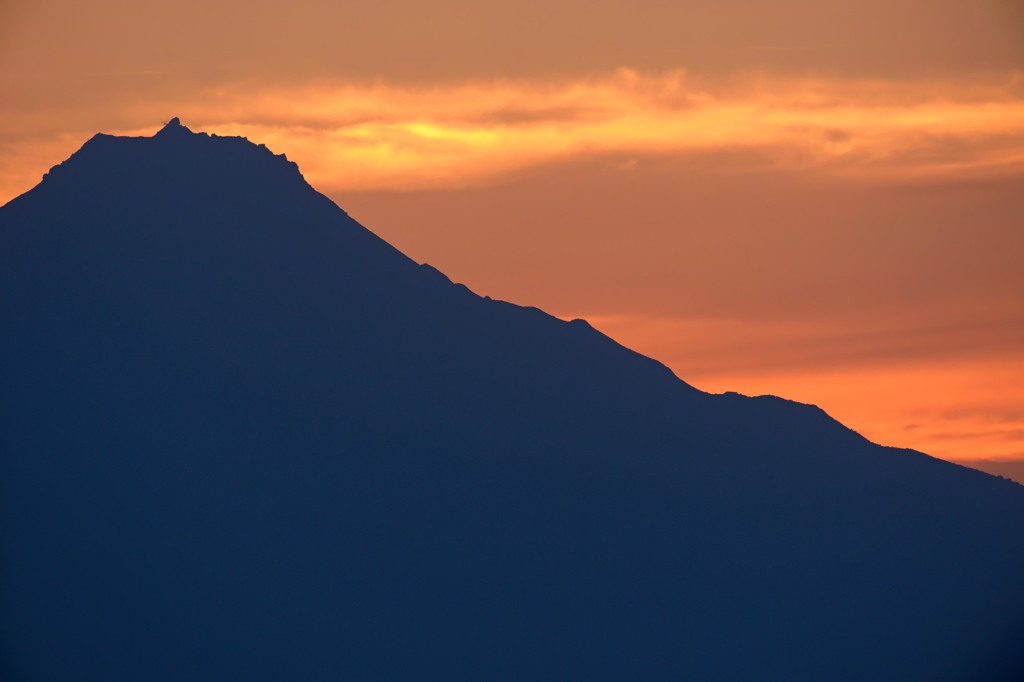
814, 199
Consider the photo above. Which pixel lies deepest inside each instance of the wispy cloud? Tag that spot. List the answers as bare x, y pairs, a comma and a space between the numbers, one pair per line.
359, 136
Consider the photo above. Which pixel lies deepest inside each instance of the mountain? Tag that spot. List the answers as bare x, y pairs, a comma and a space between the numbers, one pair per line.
245, 438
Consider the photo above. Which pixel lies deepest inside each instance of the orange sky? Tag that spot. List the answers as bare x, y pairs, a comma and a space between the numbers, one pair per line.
820, 200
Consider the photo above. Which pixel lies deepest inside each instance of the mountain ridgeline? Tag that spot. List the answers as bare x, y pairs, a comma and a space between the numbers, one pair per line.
242, 437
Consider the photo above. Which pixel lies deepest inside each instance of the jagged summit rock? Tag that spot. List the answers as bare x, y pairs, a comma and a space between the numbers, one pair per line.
243, 437
173, 127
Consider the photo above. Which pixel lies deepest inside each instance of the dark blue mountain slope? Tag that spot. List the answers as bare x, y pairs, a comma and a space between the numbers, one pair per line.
241, 437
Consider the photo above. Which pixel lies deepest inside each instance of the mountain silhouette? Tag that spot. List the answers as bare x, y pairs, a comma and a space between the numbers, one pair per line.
242, 437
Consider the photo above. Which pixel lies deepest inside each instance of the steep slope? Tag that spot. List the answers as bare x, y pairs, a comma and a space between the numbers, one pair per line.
243, 437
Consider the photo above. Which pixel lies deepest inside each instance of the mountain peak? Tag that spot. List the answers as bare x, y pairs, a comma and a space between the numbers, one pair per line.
173, 127
175, 156
243, 433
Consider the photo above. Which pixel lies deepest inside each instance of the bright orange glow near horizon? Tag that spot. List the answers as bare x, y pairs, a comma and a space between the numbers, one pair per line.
958, 409
822, 201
